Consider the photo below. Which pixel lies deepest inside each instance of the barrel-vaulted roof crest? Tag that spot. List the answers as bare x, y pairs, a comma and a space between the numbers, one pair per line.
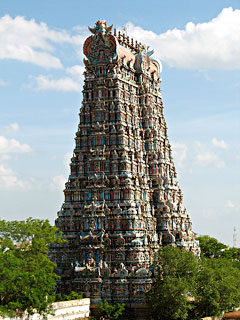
101, 47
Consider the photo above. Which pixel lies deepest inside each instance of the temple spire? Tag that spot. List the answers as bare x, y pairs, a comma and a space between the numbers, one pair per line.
122, 199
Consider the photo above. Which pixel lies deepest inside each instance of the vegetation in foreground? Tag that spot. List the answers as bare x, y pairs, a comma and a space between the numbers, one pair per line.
27, 278
67, 297
110, 311
188, 287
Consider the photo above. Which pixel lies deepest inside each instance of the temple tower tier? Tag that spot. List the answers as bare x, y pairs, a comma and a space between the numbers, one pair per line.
122, 199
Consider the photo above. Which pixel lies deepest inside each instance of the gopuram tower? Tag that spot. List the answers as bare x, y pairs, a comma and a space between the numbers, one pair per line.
122, 199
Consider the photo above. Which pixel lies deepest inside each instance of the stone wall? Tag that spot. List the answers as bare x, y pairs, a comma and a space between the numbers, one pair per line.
64, 310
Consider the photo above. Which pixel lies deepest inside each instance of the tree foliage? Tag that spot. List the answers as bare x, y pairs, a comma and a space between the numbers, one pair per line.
211, 247
111, 311
218, 287
73, 295
188, 287
174, 285
27, 280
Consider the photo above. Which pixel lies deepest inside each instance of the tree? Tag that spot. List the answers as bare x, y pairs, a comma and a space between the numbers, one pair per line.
27, 278
188, 287
217, 288
232, 254
211, 247
73, 295
174, 287
110, 311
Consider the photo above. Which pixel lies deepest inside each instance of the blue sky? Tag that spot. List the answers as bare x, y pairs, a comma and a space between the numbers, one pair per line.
198, 43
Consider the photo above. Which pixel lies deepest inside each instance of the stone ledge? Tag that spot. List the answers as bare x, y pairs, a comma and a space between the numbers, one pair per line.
64, 310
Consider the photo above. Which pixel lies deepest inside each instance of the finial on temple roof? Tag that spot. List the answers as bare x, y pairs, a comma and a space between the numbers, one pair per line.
101, 27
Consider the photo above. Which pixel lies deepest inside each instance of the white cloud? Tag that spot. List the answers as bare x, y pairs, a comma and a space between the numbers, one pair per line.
238, 156
179, 153
2, 83
9, 180
66, 159
29, 41
210, 45
12, 127
4, 171
5, 157
76, 72
219, 143
204, 156
12, 145
205, 159
58, 182
71, 83
62, 84
229, 204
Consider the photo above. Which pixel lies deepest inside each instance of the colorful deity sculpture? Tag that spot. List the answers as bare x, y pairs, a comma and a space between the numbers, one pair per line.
122, 199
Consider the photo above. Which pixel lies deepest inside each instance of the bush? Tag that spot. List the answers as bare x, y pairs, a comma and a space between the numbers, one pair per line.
27, 278
73, 295
111, 311
187, 287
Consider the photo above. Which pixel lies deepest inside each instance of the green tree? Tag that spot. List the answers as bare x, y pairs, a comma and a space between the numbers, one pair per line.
27, 278
73, 295
232, 254
174, 287
211, 247
111, 311
217, 288
187, 287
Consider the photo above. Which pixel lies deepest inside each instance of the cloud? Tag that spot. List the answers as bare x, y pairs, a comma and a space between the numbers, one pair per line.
12, 127
204, 156
5, 157
219, 143
67, 159
71, 83
229, 204
29, 41
62, 84
12, 145
9, 180
179, 153
58, 182
205, 159
76, 72
210, 45
238, 156
2, 83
